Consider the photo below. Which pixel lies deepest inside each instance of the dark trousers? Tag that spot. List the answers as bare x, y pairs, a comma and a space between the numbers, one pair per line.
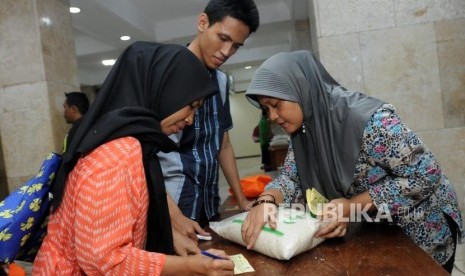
203, 221
265, 157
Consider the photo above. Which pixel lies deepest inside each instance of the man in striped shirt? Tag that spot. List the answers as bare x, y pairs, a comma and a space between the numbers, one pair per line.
191, 174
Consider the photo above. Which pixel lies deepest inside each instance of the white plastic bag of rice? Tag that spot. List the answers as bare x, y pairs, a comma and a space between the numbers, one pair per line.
292, 236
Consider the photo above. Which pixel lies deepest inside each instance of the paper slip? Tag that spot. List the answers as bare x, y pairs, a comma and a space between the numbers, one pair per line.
241, 265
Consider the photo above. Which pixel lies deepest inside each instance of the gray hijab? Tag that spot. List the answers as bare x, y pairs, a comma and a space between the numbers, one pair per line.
327, 146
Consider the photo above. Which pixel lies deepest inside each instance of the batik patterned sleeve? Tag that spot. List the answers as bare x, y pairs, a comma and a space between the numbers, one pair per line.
288, 180
407, 171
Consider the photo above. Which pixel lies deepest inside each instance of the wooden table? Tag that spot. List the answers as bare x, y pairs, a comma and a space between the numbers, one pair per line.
367, 249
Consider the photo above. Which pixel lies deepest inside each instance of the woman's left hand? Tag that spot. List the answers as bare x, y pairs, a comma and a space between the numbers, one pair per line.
183, 245
336, 213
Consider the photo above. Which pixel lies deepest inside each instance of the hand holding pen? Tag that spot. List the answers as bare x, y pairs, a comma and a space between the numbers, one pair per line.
200, 264
214, 259
215, 254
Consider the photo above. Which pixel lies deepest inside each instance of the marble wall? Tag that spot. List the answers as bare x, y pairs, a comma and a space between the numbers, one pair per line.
3, 186
409, 53
37, 65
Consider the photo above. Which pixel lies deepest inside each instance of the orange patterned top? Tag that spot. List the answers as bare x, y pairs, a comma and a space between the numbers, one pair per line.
100, 226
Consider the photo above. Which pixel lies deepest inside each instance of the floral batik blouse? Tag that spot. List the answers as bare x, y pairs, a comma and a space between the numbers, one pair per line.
402, 177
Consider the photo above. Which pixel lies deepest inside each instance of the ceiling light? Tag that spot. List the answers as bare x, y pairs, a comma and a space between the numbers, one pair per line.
125, 37
248, 67
46, 21
108, 62
74, 10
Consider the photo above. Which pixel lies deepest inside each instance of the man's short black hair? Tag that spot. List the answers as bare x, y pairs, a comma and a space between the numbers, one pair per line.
78, 99
243, 10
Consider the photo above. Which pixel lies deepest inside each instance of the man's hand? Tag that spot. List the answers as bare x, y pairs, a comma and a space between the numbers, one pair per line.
245, 205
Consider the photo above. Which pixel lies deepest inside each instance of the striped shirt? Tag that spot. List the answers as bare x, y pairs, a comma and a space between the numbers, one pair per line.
191, 174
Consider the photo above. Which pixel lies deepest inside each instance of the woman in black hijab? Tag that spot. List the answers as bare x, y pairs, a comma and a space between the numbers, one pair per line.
110, 211
355, 151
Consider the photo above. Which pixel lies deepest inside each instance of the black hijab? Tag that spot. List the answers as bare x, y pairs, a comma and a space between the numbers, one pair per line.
334, 119
149, 82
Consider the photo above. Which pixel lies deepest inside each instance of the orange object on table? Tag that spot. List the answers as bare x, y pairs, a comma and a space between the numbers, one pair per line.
252, 186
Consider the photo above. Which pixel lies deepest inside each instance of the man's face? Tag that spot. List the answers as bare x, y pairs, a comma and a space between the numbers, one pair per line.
68, 113
221, 40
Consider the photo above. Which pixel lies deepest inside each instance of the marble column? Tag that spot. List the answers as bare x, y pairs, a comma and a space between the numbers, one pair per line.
37, 65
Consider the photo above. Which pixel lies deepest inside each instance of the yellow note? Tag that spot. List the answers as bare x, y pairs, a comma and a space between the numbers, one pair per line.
241, 265
315, 199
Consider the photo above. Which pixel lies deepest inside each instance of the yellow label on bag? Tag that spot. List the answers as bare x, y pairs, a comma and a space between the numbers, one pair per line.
315, 200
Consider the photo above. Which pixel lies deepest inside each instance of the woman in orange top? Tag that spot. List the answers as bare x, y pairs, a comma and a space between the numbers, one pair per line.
110, 212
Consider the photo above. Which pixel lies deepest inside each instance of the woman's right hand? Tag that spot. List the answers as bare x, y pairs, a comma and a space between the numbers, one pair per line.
199, 264
258, 217
215, 267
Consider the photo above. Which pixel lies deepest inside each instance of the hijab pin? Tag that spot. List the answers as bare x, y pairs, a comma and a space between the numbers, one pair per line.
303, 128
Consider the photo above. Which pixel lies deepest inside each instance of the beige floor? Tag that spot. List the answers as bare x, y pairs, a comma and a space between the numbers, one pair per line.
459, 265
251, 166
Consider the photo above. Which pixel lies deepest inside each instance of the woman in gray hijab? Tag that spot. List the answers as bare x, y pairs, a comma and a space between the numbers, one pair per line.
354, 150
